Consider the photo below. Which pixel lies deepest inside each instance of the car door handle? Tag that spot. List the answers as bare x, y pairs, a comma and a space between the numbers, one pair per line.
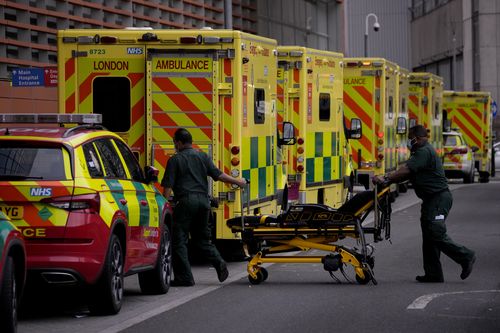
143, 202
123, 201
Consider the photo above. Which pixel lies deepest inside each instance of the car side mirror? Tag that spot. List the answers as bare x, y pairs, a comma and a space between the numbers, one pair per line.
151, 174
401, 129
356, 130
288, 138
474, 148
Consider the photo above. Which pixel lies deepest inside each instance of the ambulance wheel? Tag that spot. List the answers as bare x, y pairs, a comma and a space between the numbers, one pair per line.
364, 280
108, 293
259, 279
8, 297
157, 280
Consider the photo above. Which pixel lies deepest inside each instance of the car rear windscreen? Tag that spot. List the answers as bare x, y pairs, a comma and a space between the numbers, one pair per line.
31, 163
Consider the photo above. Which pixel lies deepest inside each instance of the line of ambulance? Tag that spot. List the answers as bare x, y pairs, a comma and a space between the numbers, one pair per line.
302, 125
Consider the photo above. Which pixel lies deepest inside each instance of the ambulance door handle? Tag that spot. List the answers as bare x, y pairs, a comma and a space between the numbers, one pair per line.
143, 202
123, 201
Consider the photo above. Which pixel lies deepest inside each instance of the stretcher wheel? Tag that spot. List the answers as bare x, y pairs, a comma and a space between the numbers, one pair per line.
364, 280
262, 275
265, 273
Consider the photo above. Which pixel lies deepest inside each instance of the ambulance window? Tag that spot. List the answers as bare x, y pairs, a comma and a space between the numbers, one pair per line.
413, 122
390, 114
259, 114
324, 107
133, 167
93, 163
436, 111
112, 100
110, 159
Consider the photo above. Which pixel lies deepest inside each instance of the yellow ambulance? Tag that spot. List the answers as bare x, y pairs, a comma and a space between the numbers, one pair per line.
218, 84
371, 94
470, 112
310, 97
425, 107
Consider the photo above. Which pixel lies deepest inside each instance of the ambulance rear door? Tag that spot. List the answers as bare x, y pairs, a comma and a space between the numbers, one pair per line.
180, 94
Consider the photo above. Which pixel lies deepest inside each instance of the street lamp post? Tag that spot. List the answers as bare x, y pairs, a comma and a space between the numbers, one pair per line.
376, 27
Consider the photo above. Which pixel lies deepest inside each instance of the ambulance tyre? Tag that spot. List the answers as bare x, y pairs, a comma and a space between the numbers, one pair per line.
364, 280
157, 280
108, 293
8, 297
484, 177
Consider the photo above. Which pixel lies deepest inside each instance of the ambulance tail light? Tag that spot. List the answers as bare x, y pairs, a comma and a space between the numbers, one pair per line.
300, 141
235, 161
380, 157
77, 202
235, 150
300, 168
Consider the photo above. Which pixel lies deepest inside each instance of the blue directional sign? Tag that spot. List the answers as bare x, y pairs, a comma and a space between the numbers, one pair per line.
28, 77
494, 108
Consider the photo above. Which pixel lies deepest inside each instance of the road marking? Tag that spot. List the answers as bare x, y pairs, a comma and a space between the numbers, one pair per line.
139, 318
421, 302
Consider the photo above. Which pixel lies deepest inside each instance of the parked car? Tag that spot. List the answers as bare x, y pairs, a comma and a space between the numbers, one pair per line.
88, 213
12, 272
458, 157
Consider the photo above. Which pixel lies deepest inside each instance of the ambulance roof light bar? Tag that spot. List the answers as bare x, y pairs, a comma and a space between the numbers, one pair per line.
51, 118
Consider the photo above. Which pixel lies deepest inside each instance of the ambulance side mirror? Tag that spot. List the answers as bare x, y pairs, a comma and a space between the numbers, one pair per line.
401, 129
356, 130
151, 174
288, 138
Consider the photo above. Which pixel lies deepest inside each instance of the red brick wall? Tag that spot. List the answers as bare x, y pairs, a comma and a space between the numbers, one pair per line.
27, 100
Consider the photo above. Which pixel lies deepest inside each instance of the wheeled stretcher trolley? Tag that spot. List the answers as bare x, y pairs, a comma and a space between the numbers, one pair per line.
313, 226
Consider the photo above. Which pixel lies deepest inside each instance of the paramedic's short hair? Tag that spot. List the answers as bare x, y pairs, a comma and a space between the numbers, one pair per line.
419, 131
183, 136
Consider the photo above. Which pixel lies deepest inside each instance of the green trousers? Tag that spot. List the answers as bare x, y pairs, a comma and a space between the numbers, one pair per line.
191, 215
434, 211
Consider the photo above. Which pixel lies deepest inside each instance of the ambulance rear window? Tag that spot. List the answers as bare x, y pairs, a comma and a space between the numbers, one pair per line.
259, 113
324, 107
112, 100
21, 162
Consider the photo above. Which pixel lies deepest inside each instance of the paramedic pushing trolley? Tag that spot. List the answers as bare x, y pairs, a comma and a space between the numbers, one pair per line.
186, 174
425, 171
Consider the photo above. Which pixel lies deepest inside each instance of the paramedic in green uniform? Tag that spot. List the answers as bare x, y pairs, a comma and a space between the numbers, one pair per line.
425, 171
186, 175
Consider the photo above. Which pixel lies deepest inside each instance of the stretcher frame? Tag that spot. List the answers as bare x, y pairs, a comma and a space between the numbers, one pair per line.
287, 239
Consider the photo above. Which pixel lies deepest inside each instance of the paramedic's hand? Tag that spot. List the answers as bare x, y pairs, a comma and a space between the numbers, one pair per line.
378, 180
241, 182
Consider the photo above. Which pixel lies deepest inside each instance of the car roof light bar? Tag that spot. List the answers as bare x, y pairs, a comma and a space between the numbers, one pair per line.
51, 118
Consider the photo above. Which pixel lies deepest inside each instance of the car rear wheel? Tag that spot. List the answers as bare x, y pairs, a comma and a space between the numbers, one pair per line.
8, 297
469, 177
157, 280
108, 293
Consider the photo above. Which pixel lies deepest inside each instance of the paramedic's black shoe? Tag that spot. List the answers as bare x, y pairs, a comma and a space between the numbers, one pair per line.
425, 278
222, 272
180, 283
467, 268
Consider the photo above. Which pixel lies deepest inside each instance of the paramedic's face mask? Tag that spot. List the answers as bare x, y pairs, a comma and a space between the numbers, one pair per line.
411, 142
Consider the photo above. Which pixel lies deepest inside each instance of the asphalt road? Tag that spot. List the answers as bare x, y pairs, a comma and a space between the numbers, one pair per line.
303, 297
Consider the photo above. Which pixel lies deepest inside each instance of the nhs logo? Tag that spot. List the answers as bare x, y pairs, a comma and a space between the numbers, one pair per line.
135, 50
40, 192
